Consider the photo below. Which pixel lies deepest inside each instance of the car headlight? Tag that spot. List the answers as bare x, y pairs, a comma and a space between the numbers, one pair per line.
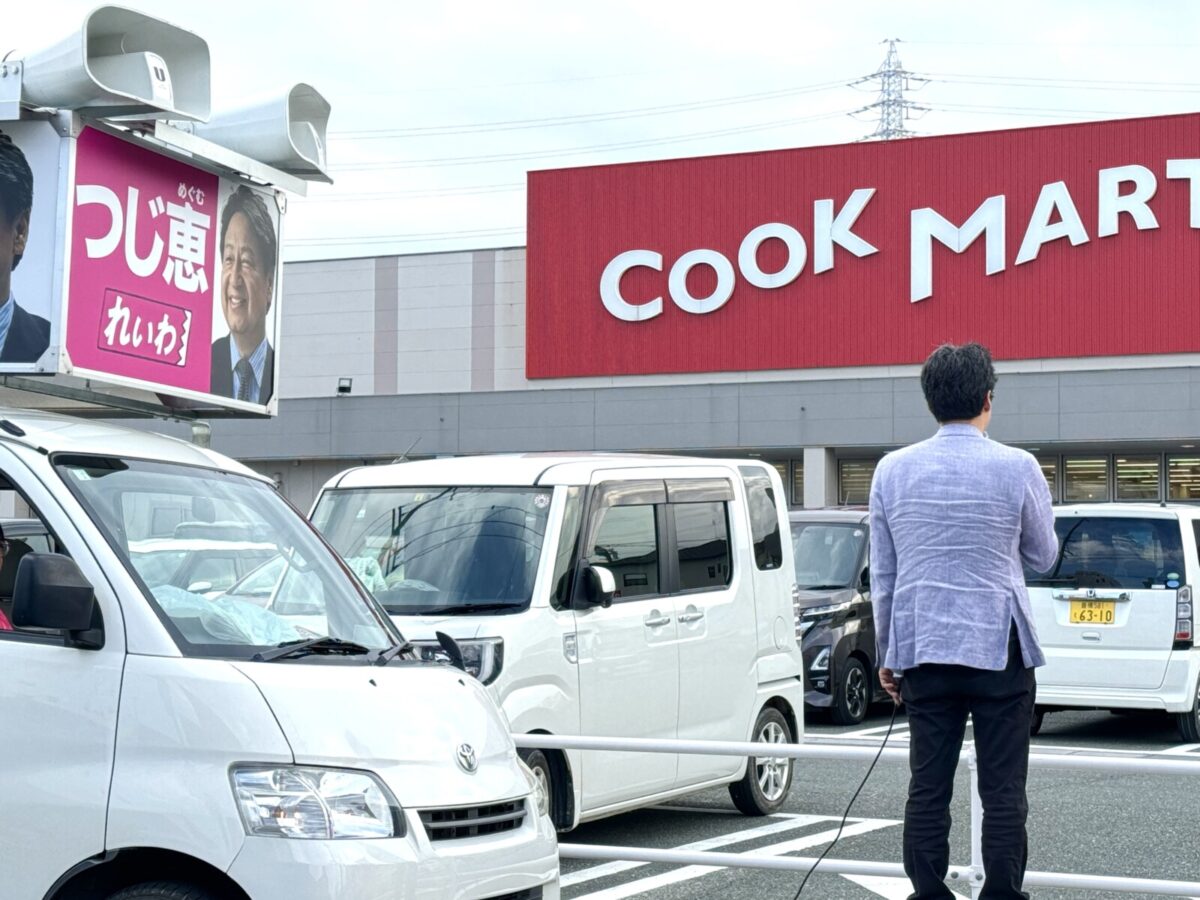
540, 798
316, 804
821, 663
483, 657
828, 610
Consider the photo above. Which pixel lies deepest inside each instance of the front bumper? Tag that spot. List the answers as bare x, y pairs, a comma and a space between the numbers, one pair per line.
408, 868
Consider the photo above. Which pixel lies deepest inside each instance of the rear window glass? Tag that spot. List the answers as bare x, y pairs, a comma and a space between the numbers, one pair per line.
1105, 552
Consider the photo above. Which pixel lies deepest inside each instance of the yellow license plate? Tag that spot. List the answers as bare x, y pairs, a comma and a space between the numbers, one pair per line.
1094, 612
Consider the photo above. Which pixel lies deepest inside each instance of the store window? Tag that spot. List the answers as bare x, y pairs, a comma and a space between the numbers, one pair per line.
797, 488
1183, 477
1085, 478
1138, 477
785, 475
1049, 467
854, 480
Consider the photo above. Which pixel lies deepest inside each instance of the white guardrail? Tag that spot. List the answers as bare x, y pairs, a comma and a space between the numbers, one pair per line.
971, 875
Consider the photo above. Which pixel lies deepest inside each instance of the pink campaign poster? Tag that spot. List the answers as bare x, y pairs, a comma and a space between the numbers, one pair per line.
154, 297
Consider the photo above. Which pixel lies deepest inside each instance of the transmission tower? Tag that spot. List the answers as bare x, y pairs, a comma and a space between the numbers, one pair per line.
893, 109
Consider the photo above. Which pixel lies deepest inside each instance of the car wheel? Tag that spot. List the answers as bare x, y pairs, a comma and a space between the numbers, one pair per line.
540, 766
1189, 722
162, 890
1035, 721
852, 696
764, 787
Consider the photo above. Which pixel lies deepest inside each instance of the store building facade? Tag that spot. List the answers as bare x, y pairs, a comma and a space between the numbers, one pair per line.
778, 305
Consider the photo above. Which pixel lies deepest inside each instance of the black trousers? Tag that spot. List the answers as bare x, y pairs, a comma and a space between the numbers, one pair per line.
938, 699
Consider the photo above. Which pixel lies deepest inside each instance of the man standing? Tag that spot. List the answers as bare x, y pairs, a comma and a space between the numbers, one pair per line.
243, 364
24, 337
952, 519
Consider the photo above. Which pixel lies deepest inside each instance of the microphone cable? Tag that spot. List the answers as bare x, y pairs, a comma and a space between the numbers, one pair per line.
846, 814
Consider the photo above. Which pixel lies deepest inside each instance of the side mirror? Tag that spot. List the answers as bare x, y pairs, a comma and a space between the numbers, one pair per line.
599, 586
864, 580
51, 593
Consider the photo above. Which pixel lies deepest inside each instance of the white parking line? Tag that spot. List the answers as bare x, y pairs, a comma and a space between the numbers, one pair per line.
1181, 750
687, 873
891, 888
784, 822
870, 732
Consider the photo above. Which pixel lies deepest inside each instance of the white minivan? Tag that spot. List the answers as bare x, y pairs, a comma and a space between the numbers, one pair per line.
162, 743
1115, 615
628, 596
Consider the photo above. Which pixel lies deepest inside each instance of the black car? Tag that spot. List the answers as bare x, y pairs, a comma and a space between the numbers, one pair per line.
834, 623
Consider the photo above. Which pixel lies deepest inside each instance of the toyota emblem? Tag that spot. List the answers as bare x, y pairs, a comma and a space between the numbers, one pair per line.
466, 758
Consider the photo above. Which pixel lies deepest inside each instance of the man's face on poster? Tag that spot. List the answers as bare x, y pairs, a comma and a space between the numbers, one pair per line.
14, 233
246, 282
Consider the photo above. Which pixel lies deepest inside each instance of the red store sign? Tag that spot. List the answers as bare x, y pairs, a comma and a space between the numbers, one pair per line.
1067, 241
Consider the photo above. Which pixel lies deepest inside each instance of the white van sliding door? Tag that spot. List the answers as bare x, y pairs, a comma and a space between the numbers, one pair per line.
628, 653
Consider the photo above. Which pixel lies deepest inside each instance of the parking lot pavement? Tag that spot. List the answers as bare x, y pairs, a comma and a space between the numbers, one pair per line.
1090, 822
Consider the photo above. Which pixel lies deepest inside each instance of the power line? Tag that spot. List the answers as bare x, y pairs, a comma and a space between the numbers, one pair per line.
1080, 84
382, 165
407, 238
586, 118
414, 193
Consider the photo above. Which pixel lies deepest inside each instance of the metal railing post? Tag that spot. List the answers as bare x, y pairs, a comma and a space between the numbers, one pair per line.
976, 825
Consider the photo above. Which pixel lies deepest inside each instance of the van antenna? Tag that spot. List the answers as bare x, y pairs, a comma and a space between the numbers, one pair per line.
403, 457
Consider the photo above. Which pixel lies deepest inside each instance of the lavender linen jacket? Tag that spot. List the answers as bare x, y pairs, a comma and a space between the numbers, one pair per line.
952, 519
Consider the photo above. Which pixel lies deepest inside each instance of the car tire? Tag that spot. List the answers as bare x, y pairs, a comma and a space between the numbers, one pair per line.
764, 787
1036, 720
544, 773
162, 890
852, 695
1189, 722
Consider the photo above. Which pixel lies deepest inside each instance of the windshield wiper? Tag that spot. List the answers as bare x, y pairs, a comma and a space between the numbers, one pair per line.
1062, 580
383, 657
470, 607
326, 644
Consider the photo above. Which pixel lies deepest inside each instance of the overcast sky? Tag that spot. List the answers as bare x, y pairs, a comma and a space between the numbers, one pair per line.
439, 109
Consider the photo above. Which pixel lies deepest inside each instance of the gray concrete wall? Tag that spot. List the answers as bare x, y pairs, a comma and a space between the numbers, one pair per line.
1133, 406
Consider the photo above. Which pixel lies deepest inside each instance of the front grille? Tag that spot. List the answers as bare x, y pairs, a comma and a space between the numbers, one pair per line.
458, 822
530, 894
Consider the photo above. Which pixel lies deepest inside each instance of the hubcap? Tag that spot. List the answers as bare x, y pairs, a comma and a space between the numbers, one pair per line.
773, 773
856, 692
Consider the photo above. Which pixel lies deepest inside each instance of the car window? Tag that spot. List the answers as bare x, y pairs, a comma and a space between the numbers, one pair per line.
827, 554
217, 572
1112, 552
626, 543
764, 518
702, 536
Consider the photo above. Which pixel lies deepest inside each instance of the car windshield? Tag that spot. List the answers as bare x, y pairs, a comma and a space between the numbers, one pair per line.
151, 512
827, 554
440, 549
1112, 552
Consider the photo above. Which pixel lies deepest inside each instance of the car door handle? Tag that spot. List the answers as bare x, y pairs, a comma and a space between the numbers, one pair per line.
656, 620
688, 617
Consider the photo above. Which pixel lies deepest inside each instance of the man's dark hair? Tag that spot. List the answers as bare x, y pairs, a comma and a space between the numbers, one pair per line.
957, 380
251, 205
16, 184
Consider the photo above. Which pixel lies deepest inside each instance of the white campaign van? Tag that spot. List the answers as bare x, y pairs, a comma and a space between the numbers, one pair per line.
630, 596
1115, 615
163, 743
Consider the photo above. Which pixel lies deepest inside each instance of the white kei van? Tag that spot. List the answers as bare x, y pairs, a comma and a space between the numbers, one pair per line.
631, 596
162, 743
1115, 616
